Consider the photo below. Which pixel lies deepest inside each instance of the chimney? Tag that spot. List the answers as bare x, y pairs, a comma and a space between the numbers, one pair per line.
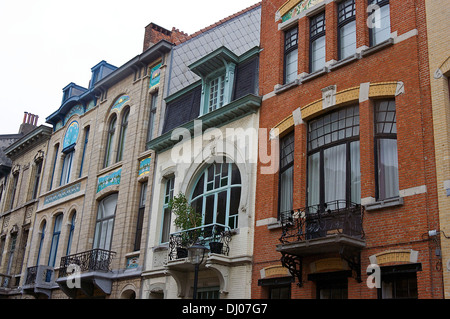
29, 123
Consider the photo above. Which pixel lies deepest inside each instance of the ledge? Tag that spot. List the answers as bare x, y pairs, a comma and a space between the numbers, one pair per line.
391, 202
378, 47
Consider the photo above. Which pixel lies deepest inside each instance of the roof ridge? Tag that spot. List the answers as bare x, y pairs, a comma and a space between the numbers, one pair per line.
220, 22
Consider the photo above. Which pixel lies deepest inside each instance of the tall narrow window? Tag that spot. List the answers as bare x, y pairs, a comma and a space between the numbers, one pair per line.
41, 242
346, 28
110, 141
37, 178
216, 93
286, 182
167, 213
123, 134
13, 190
290, 55
151, 120
86, 140
105, 222
12, 249
67, 168
386, 149
217, 194
140, 217
317, 42
71, 230
55, 240
380, 21
55, 159
333, 159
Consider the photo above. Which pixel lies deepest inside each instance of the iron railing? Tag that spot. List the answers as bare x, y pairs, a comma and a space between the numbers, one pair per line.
337, 217
5, 281
216, 237
92, 260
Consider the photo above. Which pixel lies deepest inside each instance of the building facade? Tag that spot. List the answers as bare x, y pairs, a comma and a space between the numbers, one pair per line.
439, 56
206, 150
345, 88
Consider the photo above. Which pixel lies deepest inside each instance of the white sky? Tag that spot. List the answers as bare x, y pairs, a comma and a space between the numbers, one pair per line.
46, 44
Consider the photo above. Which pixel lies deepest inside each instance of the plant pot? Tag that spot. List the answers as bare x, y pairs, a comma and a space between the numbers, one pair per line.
216, 247
182, 252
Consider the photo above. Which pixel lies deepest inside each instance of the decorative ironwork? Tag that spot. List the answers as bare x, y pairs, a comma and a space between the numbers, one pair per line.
337, 217
295, 266
216, 236
38, 275
92, 260
5, 281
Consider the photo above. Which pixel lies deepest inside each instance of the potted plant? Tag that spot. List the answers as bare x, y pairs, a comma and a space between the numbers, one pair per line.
186, 218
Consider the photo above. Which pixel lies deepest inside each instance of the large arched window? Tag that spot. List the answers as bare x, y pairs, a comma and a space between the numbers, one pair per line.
105, 222
217, 194
110, 141
123, 133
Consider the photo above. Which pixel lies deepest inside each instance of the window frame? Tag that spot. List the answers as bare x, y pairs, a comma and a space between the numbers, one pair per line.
55, 239
37, 179
284, 168
315, 35
166, 220
86, 141
66, 169
342, 6
380, 3
71, 231
99, 223
152, 116
321, 148
122, 135
140, 216
289, 50
112, 126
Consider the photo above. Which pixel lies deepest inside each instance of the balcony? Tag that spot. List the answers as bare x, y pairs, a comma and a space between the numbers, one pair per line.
39, 280
336, 227
89, 271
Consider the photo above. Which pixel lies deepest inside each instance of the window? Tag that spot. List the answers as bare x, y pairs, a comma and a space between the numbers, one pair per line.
151, 121
380, 22
346, 28
110, 141
399, 286
386, 149
105, 222
333, 159
290, 55
286, 182
123, 133
217, 194
67, 168
55, 159
37, 177
71, 230
12, 249
55, 240
317, 42
86, 140
167, 213
280, 292
332, 289
13, 190
41, 242
216, 93
140, 217
208, 293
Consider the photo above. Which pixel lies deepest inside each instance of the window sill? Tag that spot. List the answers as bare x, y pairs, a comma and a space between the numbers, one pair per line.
391, 202
380, 46
345, 61
314, 75
280, 88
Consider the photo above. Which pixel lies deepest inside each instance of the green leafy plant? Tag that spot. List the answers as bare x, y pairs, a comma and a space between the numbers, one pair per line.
185, 217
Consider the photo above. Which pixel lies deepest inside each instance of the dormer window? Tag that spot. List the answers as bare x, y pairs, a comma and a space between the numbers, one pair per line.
217, 73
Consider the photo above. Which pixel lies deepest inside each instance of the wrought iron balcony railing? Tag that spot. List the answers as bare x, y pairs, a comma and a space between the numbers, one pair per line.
92, 260
215, 236
337, 217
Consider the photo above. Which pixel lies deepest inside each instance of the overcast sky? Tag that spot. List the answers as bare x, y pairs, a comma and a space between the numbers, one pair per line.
46, 44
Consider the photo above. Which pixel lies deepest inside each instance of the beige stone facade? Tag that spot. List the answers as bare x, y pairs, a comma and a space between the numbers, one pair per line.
438, 24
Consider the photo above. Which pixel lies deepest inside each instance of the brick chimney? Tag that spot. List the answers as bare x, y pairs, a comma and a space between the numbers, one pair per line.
155, 33
29, 123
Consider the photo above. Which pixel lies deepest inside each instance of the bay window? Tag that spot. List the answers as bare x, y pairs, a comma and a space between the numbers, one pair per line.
333, 159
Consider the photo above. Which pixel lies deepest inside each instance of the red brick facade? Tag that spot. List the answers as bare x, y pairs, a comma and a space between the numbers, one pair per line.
388, 229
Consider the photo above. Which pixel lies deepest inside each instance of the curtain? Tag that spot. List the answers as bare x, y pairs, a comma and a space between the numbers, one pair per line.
286, 190
314, 179
335, 174
355, 173
387, 168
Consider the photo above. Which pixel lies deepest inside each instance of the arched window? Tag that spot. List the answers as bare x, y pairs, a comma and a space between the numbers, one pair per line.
55, 240
123, 133
217, 194
105, 222
41, 241
72, 228
110, 141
